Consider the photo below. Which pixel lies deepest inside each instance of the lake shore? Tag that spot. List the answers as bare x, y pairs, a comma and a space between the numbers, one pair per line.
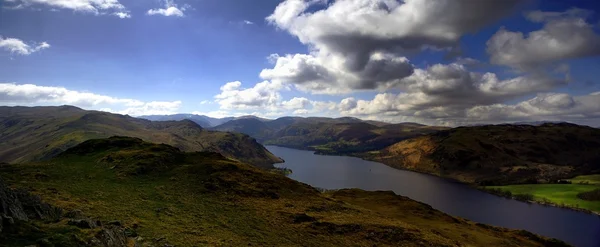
540, 202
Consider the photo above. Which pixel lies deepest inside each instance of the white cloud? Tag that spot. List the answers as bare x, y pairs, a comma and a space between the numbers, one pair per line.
444, 92
565, 35
247, 22
90, 6
17, 46
347, 53
30, 94
263, 95
170, 9
296, 103
122, 15
552, 106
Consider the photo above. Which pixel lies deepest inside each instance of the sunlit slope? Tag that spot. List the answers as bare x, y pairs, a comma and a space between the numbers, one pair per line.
500, 154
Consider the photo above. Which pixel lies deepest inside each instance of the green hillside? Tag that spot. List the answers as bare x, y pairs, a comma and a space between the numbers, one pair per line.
122, 191
38, 133
500, 154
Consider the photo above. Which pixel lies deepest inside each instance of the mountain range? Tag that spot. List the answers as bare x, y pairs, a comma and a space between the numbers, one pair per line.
38, 133
526, 152
202, 120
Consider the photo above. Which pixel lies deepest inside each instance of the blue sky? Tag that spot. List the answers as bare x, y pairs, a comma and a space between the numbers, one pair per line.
184, 60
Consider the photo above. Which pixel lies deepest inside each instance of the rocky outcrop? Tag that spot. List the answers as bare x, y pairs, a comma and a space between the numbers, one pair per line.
20, 205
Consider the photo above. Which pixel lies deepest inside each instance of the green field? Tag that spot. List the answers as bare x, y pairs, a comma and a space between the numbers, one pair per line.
560, 194
586, 179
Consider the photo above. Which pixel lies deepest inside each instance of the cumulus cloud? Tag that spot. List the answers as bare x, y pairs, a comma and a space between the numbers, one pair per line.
263, 94
17, 46
247, 22
296, 103
565, 35
446, 91
265, 99
90, 6
170, 9
347, 53
30, 94
550, 106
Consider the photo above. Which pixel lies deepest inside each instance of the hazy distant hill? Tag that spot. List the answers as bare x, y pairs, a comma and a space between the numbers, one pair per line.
500, 154
326, 135
203, 121
33, 133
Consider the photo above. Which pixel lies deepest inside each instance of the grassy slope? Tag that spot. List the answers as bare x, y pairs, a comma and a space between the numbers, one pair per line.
194, 199
500, 154
34, 133
560, 194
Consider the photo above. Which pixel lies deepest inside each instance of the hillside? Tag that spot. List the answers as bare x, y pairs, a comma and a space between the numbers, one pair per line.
500, 154
38, 133
125, 192
326, 135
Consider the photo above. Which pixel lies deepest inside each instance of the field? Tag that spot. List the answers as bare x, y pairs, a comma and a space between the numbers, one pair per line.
559, 194
586, 179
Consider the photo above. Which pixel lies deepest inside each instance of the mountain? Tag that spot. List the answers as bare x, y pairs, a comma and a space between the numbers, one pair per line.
122, 191
500, 154
37, 133
327, 135
203, 121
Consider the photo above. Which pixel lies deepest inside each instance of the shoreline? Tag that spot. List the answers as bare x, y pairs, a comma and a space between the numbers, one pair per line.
548, 204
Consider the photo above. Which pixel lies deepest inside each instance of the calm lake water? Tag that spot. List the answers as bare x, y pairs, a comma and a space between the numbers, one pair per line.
336, 172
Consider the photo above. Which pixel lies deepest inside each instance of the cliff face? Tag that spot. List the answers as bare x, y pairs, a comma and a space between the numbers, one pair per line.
500, 154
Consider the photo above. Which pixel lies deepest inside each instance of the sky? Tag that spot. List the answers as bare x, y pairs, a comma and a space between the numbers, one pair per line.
438, 62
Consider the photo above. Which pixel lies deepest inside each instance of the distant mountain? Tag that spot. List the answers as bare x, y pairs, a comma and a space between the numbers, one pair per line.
344, 135
37, 133
203, 121
500, 154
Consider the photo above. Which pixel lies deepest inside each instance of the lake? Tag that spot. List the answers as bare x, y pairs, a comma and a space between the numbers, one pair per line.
337, 172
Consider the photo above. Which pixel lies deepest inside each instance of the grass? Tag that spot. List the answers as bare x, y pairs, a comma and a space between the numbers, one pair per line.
204, 199
586, 179
559, 194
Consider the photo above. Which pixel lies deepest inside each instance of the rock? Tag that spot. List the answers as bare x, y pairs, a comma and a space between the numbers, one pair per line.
112, 236
303, 217
83, 223
115, 223
75, 214
20, 205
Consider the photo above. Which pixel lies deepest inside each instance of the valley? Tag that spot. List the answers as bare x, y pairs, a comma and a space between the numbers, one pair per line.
191, 170
132, 192
517, 156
